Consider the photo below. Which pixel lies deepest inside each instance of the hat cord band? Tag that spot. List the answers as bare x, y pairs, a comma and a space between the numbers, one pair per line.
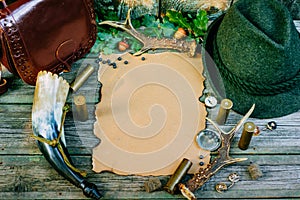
261, 89
254, 88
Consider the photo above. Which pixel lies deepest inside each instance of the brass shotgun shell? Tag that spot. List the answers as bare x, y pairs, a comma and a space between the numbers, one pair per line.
226, 105
82, 77
249, 128
80, 111
180, 172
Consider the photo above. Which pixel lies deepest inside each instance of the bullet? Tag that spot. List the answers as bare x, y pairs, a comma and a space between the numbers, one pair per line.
226, 105
80, 110
249, 129
82, 77
180, 172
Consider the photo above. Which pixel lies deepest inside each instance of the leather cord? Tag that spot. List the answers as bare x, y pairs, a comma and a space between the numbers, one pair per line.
55, 143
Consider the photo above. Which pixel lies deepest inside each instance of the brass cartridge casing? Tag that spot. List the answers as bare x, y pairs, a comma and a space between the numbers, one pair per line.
82, 77
180, 172
80, 109
249, 129
226, 105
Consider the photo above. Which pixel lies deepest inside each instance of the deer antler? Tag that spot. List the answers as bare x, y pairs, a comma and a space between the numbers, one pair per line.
220, 161
151, 42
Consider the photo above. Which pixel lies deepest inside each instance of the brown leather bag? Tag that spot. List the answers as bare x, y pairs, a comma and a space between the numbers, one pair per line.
47, 35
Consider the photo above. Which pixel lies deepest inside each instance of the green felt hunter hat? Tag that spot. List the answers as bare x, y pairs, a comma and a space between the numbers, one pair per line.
252, 56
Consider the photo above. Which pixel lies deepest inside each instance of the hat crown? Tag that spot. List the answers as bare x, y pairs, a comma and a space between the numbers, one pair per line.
270, 20
258, 41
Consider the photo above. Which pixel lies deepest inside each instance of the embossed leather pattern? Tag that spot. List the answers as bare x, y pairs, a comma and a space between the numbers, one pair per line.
45, 35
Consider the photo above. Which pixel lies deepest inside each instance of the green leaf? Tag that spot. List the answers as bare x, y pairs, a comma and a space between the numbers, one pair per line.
96, 48
107, 50
200, 23
110, 15
136, 45
150, 21
104, 36
168, 29
136, 23
178, 18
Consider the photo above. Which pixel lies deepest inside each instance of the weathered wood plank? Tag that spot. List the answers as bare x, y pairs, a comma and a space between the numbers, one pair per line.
20, 93
25, 177
15, 133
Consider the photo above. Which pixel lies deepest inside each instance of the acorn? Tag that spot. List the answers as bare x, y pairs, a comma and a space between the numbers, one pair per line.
180, 34
123, 46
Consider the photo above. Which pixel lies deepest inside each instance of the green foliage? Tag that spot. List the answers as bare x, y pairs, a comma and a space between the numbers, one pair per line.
136, 23
107, 15
195, 25
150, 21
168, 28
109, 37
200, 23
106, 43
178, 18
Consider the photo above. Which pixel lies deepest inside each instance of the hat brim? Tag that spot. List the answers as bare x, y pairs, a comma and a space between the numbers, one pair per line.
265, 106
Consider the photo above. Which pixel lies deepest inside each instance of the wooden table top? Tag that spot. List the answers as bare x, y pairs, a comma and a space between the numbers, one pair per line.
25, 174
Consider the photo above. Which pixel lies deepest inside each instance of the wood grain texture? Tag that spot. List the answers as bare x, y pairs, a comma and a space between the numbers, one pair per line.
16, 132
28, 176
25, 174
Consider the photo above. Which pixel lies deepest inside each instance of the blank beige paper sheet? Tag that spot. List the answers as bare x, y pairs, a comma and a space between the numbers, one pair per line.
149, 114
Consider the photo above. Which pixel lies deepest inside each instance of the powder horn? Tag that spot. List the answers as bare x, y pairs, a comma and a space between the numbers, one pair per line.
47, 123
